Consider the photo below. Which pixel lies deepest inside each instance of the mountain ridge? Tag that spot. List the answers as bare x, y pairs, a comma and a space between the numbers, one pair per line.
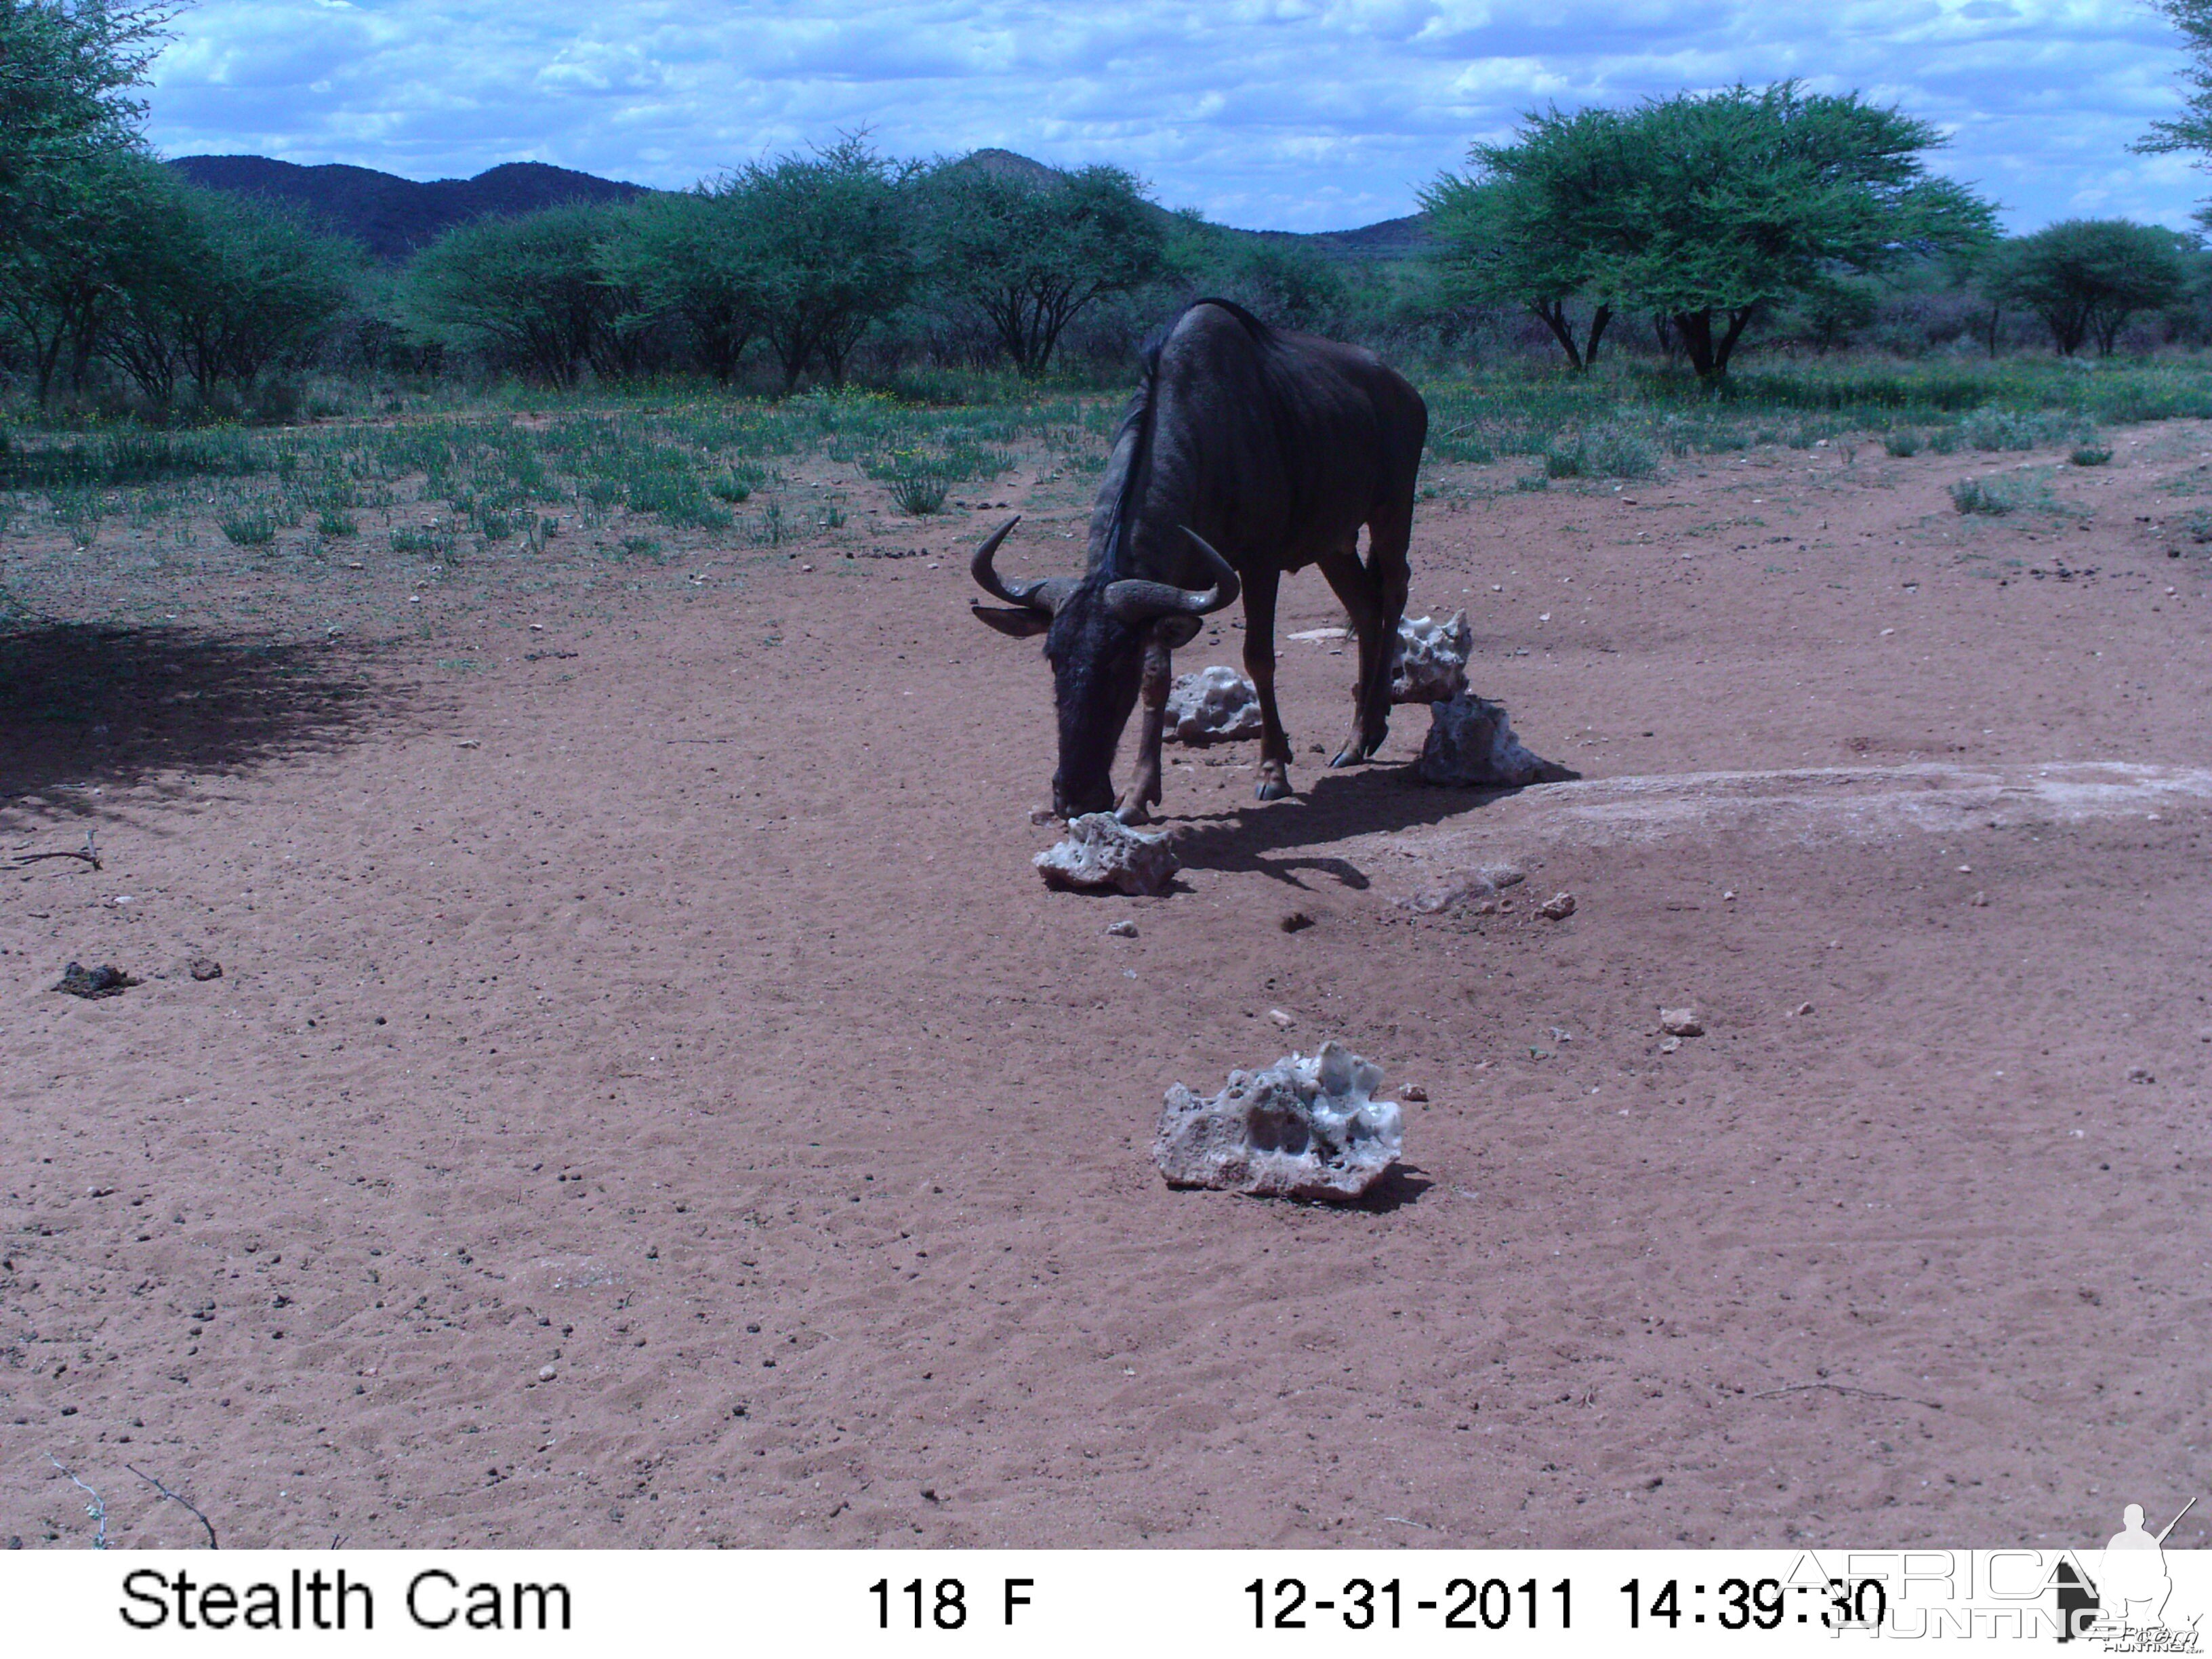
394, 218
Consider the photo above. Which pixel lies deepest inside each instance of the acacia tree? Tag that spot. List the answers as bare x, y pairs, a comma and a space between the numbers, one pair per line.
1535, 225
1032, 254
528, 289
832, 234
69, 169
67, 70
2085, 277
699, 255
1708, 209
2191, 129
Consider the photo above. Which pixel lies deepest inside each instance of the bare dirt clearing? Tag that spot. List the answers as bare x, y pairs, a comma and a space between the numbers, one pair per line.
650, 1099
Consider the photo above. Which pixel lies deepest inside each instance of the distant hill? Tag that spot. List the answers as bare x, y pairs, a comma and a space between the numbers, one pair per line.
1390, 238
394, 216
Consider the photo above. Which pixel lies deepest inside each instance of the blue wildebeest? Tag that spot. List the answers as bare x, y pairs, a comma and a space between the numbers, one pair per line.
1247, 452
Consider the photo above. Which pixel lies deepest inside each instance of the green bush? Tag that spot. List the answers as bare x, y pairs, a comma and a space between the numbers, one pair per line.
1902, 444
331, 522
2090, 454
918, 494
1995, 496
1970, 495
1605, 453
428, 538
255, 528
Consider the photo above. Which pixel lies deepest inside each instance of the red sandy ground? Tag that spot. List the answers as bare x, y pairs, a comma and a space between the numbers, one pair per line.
650, 1100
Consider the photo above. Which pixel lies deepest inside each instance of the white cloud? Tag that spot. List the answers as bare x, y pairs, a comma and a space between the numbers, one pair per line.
1303, 116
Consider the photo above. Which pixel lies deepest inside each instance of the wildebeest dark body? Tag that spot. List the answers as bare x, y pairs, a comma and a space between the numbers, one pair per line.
1269, 449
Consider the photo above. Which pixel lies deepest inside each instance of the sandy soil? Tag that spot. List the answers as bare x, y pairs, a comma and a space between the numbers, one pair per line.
649, 1099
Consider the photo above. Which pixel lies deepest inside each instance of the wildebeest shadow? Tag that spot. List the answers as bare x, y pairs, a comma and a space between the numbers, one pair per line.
1335, 806
90, 704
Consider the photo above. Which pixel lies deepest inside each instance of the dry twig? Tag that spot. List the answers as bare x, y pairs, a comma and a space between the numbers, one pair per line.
90, 853
1845, 1388
174, 1498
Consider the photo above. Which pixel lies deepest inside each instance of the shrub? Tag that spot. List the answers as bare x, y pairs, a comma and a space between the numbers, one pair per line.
1903, 444
2090, 454
1972, 496
428, 539
255, 528
1605, 453
331, 522
918, 494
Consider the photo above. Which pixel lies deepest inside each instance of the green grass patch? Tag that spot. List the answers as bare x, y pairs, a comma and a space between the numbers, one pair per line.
254, 529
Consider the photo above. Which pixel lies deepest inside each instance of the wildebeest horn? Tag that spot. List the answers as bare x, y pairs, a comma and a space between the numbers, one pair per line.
1135, 601
1046, 595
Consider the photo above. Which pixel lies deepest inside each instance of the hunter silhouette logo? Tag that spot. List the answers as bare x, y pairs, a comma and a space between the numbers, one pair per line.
2123, 1607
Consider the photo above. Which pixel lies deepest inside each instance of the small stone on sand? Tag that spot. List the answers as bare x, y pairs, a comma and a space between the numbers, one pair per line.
1558, 907
1680, 1021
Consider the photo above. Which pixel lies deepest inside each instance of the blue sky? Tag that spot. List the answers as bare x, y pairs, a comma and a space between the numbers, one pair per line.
1282, 113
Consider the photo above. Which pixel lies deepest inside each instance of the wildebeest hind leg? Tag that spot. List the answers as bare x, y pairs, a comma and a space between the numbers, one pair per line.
1260, 665
1144, 788
1389, 571
1356, 587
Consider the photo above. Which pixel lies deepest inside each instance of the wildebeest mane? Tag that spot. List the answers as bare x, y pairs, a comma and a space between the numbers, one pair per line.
1138, 424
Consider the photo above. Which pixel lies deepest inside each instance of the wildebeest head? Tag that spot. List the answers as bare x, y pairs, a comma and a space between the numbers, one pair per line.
1097, 629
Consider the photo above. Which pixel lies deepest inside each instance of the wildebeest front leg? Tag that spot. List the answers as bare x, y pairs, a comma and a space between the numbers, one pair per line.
1144, 790
1259, 665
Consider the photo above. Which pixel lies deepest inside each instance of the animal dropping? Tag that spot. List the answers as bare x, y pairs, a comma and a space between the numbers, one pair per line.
1471, 743
1214, 705
1304, 1127
1431, 662
1102, 855
93, 983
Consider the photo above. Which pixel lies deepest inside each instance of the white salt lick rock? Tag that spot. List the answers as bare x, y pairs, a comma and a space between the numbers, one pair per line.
1432, 665
1303, 1127
1471, 743
1103, 853
1214, 705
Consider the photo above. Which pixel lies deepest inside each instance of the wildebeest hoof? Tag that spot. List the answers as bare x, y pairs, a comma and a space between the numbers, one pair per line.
1272, 789
1132, 812
1351, 755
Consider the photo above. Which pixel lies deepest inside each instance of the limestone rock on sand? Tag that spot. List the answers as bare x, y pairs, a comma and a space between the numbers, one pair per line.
1471, 743
1102, 852
1432, 665
1304, 1127
1214, 705
1464, 889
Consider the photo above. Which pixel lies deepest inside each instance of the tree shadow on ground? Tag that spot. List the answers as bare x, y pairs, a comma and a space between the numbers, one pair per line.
1337, 807
92, 705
